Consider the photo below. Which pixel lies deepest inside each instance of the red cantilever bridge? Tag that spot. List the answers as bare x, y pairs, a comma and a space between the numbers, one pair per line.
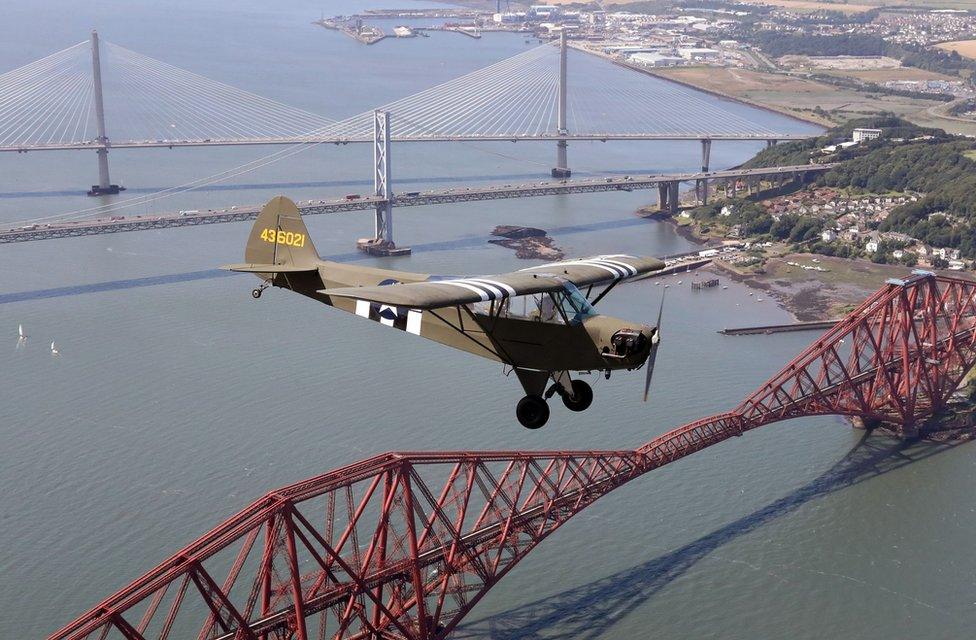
403, 545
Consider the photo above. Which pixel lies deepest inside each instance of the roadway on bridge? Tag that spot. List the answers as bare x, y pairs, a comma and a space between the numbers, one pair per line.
359, 139
119, 223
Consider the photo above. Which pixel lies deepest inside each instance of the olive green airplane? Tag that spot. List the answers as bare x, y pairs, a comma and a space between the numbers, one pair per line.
537, 321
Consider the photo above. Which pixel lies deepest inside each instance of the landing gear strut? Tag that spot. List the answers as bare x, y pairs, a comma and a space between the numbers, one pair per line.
532, 411
582, 396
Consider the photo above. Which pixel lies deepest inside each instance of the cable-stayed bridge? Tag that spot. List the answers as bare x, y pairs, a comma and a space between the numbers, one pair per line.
94, 96
53, 103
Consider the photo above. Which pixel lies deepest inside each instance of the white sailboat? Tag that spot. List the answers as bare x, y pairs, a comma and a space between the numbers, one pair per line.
54, 349
20, 333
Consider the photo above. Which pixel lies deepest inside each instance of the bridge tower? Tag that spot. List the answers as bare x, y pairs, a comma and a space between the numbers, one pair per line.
104, 185
701, 187
382, 243
561, 170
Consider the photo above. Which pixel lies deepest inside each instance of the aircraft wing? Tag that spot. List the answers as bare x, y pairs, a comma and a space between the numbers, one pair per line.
448, 292
586, 271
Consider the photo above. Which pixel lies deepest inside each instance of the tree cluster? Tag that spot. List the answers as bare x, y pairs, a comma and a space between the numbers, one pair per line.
921, 159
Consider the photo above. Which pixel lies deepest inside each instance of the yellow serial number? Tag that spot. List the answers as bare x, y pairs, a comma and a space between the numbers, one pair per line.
289, 238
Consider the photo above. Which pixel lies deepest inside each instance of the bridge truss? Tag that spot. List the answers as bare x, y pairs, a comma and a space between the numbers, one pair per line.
403, 545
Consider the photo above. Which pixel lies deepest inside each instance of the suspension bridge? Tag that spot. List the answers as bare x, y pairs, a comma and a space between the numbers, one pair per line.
404, 545
734, 180
75, 98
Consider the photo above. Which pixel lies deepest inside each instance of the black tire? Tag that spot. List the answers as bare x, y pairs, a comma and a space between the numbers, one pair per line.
582, 396
256, 293
532, 412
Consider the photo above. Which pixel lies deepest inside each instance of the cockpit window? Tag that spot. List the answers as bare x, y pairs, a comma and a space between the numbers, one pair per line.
566, 305
575, 304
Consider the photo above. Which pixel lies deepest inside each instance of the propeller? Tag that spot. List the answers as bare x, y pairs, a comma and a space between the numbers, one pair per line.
655, 343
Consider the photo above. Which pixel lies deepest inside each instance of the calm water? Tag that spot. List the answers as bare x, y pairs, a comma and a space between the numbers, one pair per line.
158, 419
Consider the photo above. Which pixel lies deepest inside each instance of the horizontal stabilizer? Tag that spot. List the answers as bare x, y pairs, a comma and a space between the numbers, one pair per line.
269, 268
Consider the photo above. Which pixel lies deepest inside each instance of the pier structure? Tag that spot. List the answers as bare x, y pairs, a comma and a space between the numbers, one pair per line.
561, 170
104, 186
382, 241
701, 186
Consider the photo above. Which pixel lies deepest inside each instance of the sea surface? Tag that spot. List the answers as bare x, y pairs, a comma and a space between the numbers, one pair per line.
177, 399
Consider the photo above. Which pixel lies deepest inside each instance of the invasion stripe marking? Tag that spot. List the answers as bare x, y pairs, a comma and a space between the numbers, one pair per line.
509, 289
624, 265
485, 297
411, 324
493, 293
615, 271
618, 268
414, 318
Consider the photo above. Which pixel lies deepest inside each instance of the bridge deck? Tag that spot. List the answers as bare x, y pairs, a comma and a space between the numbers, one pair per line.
334, 139
446, 196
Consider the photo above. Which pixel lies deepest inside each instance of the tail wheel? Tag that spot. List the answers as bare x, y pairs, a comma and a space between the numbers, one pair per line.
582, 396
532, 411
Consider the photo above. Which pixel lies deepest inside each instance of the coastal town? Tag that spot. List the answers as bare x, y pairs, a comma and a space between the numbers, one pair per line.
822, 61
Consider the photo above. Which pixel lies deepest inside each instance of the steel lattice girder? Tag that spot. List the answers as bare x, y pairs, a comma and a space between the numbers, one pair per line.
895, 359
403, 545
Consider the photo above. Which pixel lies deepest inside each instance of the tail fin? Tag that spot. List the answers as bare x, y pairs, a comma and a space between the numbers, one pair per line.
279, 241
279, 236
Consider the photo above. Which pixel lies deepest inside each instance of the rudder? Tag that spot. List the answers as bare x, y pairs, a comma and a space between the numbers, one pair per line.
279, 237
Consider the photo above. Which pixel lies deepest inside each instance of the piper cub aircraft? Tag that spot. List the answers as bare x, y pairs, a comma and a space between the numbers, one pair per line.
539, 322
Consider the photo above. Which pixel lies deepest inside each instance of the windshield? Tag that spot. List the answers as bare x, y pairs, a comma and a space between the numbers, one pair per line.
575, 304
563, 305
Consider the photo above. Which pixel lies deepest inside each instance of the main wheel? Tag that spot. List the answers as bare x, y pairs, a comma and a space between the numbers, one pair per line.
532, 411
256, 293
582, 396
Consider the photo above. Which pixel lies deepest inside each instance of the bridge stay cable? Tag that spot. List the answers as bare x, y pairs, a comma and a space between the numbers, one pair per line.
48, 104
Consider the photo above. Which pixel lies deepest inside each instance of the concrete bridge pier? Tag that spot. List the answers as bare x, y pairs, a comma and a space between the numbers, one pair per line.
668, 196
701, 186
561, 170
104, 186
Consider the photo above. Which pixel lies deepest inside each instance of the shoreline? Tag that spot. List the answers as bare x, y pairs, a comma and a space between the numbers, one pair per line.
781, 111
805, 297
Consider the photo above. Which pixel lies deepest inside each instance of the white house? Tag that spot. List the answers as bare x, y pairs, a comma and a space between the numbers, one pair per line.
946, 253
829, 235
865, 134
